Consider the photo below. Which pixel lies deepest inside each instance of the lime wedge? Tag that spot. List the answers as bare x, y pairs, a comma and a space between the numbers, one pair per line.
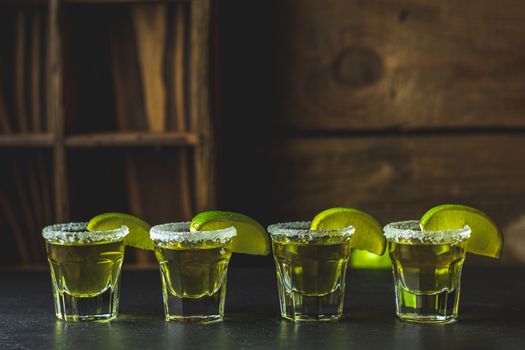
368, 232
138, 236
251, 236
485, 239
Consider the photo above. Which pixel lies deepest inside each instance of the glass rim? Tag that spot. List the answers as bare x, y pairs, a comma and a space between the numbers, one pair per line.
301, 230
410, 230
180, 232
77, 233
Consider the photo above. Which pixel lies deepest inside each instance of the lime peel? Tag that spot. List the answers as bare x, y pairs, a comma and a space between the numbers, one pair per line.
251, 237
368, 232
138, 236
486, 238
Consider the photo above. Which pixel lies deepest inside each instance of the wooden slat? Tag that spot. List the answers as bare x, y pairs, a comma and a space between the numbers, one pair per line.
23, 2
351, 65
36, 52
133, 139
36, 140
127, 84
5, 124
150, 31
179, 97
20, 70
120, 1
37, 208
199, 104
179, 66
45, 187
44, 2
56, 113
396, 178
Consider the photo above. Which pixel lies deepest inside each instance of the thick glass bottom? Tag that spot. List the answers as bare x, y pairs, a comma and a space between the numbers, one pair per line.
302, 308
433, 308
102, 307
205, 309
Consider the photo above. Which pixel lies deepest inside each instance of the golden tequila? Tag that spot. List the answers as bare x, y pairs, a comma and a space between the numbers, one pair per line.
193, 273
311, 270
194, 267
85, 270
427, 269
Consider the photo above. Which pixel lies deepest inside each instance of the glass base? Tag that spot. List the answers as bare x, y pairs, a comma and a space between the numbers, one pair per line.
436, 308
302, 308
206, 309
195, 319
102, 307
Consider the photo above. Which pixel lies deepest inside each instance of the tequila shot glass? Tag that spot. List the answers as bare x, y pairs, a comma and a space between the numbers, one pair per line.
194, 268
311, 270
85, 270
427, 271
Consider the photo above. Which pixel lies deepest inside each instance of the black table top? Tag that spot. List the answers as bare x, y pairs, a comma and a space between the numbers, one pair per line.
492, 315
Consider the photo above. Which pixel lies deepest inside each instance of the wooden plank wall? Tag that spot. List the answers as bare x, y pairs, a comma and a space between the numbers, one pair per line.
362, 65
401, 105
391, 106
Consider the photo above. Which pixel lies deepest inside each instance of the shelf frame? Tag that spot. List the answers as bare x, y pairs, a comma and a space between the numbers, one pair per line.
133, 139
196, 136
199, 134
85, 2
33, 140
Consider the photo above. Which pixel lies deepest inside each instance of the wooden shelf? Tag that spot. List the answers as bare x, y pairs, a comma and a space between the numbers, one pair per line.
23, 2
133, 139
119, 1
83, 2
43, 140
150, 98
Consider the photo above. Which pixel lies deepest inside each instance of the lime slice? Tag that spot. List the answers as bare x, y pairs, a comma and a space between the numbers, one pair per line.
485, 239
138, 236
251, 236
368, 232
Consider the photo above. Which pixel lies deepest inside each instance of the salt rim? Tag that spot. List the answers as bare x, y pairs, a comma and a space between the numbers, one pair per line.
76, 233
301, 230
409, 230
180, 232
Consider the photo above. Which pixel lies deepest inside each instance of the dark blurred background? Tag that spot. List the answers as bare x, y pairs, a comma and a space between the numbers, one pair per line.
388, 106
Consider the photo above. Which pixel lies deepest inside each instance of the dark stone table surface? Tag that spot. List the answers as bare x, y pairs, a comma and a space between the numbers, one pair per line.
492, 316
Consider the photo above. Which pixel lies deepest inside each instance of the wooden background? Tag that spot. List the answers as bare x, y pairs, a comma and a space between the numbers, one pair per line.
104, 106
388, 106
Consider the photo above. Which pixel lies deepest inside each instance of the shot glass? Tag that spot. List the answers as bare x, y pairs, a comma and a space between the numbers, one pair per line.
427, 271
193, 268
311, 270
85, 270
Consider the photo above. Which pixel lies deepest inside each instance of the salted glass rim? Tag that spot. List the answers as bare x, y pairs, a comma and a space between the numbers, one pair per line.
180, 232
301, 230
410, 231
77, 233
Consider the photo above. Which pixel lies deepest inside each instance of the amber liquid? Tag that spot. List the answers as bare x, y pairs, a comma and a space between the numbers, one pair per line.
193, 273
85, 270
427, 281
427, 268
313, 269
